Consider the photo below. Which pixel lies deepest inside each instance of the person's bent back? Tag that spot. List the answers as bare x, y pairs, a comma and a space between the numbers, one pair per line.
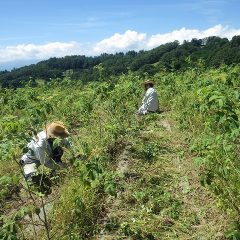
41, 150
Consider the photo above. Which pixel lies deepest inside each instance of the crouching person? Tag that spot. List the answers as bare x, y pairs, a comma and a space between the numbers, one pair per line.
150, 103
45, 149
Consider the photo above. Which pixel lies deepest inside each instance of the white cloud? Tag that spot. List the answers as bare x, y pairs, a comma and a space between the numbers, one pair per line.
121, 42
188, 34
130, 40
33, 51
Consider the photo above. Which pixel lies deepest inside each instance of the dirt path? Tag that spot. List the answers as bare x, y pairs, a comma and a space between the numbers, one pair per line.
160, 196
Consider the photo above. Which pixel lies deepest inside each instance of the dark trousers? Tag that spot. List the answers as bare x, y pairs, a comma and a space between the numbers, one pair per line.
57, 154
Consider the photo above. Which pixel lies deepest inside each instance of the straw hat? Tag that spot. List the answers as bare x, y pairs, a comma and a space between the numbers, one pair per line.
148, 82
56, 129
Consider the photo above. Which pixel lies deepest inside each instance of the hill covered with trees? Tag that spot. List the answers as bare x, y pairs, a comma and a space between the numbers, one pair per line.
211, 52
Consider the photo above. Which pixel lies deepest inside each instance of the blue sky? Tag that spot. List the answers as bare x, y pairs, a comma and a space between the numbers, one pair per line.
32, 30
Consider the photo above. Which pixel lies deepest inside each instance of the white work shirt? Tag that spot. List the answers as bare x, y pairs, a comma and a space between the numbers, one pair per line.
40, 151
150, 102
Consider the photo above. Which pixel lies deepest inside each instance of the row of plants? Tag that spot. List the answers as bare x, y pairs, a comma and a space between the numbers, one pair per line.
206, 103
97, 115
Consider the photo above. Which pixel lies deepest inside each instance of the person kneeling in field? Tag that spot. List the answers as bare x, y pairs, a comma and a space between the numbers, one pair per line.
42, 150
150, 103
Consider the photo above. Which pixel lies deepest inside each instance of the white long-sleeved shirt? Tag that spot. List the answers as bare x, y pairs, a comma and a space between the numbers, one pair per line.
40, 151
150, 102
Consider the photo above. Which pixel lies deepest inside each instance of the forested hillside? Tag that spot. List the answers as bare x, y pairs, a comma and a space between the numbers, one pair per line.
211, 52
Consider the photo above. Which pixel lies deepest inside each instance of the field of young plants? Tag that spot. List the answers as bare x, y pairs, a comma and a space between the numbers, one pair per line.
174, 175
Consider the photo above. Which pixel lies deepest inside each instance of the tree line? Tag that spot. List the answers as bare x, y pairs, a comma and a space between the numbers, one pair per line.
173, 56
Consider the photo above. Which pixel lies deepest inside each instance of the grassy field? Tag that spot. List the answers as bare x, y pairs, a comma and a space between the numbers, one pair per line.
173, 175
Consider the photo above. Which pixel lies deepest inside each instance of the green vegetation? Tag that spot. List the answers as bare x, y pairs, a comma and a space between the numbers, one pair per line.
169, 176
